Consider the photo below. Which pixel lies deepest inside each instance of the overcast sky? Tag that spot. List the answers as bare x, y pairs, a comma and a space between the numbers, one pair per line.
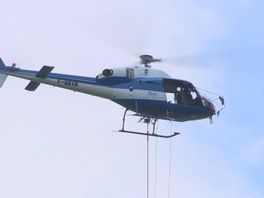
57, 143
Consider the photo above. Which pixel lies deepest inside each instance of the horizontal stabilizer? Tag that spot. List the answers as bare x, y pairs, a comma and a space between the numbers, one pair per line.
2, 79
43, 73
32, 86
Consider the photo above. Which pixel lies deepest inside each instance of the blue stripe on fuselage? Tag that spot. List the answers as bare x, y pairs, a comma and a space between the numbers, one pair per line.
110, 81
58, 76
152, 84
82, 79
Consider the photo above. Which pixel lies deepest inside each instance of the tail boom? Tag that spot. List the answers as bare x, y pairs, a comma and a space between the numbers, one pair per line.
81, 84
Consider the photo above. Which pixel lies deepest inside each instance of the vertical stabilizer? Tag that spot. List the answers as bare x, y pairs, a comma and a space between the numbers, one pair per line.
2, 64
2, 76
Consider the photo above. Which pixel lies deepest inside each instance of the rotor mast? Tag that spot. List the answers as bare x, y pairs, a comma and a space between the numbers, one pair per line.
147, 59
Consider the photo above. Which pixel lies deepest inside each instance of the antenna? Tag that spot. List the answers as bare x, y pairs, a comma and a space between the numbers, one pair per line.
147, 59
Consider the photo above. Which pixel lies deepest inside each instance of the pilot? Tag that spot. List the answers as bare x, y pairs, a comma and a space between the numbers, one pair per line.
177, 97
188, 96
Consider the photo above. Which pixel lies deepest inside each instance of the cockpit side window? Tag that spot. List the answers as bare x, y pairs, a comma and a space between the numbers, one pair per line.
190, 96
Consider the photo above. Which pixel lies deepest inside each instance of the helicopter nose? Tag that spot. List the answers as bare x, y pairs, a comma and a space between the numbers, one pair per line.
209, 105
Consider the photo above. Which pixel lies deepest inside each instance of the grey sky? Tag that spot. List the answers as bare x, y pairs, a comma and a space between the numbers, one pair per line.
56, 143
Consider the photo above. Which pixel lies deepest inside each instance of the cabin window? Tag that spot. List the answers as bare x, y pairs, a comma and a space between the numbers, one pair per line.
181, 92
171, 98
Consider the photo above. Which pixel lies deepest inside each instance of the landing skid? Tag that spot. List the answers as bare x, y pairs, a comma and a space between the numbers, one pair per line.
149, 134
147, 121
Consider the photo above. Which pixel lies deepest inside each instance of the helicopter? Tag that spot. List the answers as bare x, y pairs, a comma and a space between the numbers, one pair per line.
150, 93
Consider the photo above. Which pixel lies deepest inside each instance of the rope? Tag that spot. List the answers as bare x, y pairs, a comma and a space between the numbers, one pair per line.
156, 169
220, 108
147, 161
170, 159
213, 93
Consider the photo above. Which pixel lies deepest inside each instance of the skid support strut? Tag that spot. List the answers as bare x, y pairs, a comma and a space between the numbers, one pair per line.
148, 121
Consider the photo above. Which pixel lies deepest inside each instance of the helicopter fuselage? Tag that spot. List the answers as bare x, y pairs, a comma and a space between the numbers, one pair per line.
139, 89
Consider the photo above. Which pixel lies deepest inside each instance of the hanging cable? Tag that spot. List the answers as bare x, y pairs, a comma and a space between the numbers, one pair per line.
156, 169
147, 160
170, 159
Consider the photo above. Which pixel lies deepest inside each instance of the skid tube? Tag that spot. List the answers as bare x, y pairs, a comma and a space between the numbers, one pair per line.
147, 121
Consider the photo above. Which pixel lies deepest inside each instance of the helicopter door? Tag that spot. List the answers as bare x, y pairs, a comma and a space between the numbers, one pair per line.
170, 92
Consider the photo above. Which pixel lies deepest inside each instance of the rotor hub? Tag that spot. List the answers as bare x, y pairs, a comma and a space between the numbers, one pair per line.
147, 59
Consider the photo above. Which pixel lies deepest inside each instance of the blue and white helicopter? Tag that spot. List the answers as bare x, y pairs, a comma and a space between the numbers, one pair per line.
150, 93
